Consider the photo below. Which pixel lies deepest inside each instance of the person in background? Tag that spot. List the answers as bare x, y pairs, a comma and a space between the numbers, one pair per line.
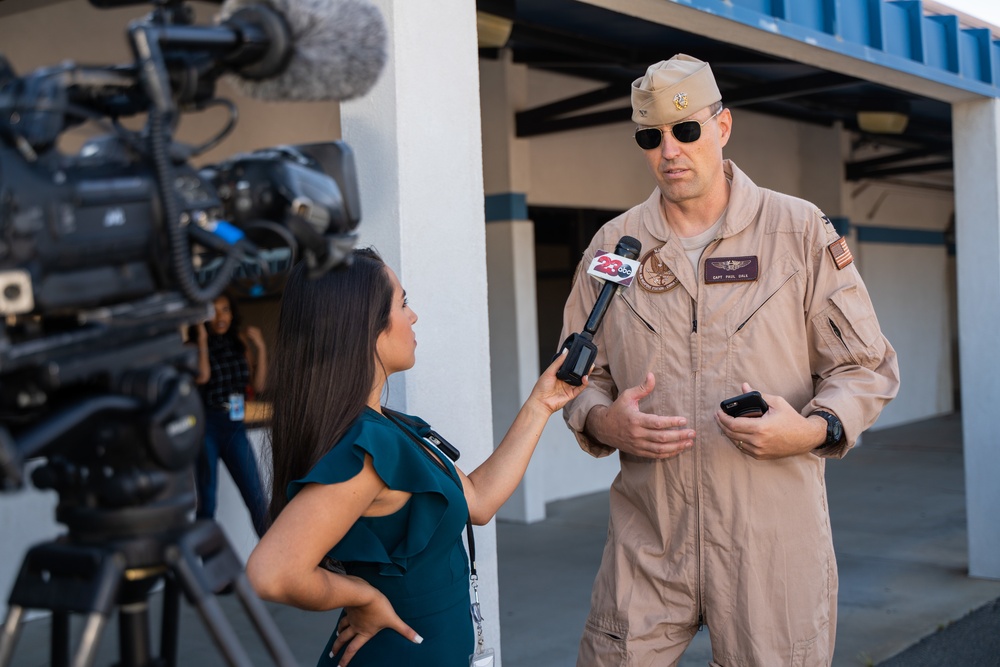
358, 484
231, 360
721, 520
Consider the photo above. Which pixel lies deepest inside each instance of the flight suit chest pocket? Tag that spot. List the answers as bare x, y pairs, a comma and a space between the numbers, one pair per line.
849, 329
634, 309
762, 296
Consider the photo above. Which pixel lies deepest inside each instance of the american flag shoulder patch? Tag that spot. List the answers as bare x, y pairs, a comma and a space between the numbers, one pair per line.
841, 254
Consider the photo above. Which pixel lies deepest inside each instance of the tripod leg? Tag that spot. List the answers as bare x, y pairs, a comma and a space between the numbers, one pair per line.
59, 641
170, 623
222, 632
191, 575
87, 651
266, 627
10, 634
205, 563
67, 579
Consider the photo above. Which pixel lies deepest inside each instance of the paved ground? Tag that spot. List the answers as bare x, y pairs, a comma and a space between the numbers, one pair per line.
898, 512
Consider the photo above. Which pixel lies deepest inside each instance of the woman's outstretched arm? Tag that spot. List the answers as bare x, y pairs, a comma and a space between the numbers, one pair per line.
492, 483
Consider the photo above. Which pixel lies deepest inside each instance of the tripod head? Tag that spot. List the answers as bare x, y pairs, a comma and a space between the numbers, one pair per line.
121, 427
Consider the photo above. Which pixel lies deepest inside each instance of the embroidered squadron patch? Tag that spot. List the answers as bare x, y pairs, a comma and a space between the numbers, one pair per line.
841, 254
681, 101
654, 276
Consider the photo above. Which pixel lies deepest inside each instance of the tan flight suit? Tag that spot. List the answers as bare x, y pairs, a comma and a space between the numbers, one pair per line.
714, 536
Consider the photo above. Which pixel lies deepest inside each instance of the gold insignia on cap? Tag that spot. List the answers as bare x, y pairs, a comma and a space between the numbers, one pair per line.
681, 101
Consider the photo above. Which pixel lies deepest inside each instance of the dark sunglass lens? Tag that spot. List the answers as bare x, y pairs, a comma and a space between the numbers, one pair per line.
648, 138
687, 132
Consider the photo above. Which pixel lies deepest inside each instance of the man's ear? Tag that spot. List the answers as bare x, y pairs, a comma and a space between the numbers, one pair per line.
725, 126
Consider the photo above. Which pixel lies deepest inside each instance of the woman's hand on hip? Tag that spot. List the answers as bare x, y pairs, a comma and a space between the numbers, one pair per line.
363, 622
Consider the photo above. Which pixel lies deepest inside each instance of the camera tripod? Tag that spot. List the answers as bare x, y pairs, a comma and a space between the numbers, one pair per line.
126, 497
68, 578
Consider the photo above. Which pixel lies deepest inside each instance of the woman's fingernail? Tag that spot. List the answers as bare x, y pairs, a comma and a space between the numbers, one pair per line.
418, 640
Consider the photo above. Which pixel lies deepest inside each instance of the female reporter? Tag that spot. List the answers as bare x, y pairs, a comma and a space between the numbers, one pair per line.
352, 484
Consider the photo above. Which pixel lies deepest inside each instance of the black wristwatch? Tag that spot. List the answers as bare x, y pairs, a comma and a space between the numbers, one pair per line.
834, 429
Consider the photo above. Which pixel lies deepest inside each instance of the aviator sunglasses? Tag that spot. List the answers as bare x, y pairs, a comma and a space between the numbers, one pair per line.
686, 132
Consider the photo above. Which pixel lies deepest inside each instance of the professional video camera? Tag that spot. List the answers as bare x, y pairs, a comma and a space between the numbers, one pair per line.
106, 255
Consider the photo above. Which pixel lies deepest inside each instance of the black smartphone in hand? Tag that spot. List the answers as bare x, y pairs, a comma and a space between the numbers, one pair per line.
751, 404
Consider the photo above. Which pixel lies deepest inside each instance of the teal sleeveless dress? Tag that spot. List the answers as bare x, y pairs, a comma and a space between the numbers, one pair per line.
415, 557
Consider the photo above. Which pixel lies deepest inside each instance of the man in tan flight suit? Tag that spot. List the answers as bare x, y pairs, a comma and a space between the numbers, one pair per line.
716, 520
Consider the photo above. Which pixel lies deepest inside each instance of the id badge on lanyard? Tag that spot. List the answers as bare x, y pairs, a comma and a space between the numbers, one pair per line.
237, 409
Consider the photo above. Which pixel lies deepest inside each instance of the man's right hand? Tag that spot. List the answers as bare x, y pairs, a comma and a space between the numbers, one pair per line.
624, 426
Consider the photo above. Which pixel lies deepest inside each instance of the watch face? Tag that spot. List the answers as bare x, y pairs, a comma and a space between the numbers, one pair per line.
834, 431
838, 432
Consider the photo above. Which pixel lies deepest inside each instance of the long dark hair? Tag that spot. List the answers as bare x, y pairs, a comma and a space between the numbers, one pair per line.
323, 364
235, 323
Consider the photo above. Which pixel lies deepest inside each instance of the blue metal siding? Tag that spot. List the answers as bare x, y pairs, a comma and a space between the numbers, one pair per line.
995, 60
890, 33
810, 15
974, 55
775, 8
941, 42
860, 21
903, 33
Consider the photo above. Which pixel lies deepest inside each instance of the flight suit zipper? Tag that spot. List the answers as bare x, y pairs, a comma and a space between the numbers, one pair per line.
696, 366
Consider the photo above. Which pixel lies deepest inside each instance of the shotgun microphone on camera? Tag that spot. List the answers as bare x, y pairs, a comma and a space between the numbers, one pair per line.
325, 49
582, 350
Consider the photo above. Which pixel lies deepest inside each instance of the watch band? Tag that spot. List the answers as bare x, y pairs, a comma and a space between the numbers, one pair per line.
834, 429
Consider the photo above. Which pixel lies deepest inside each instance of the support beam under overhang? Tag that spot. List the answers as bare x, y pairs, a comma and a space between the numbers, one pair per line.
827, 52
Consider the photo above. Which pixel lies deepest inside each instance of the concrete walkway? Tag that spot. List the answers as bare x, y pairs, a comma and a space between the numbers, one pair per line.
898, 511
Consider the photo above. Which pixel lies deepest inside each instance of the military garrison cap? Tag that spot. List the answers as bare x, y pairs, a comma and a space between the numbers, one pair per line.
672, 90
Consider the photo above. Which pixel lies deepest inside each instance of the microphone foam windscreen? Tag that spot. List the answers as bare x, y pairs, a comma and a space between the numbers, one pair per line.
339, 48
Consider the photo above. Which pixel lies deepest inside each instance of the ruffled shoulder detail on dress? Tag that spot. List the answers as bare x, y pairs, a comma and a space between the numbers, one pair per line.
403, 467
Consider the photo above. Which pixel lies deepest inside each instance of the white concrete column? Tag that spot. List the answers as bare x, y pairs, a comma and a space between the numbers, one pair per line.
977, 210
514, 348
510, 252
417, 141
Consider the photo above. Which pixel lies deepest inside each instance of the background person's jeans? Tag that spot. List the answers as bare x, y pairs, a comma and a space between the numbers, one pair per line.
227, 440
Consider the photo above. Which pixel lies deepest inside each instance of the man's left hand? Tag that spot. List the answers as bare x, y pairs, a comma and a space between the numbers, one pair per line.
780, 432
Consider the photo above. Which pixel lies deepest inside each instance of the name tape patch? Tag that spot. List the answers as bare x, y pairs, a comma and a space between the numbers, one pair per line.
731, 269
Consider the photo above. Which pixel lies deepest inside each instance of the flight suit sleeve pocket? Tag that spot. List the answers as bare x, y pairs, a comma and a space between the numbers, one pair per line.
849, 328
604, 642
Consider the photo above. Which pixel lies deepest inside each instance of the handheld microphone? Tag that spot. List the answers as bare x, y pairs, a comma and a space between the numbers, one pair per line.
582, 350
331, 49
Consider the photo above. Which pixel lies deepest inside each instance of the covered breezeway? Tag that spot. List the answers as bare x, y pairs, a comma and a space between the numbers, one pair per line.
883, 113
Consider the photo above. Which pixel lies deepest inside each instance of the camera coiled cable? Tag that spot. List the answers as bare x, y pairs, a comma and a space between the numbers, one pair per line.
179, 249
